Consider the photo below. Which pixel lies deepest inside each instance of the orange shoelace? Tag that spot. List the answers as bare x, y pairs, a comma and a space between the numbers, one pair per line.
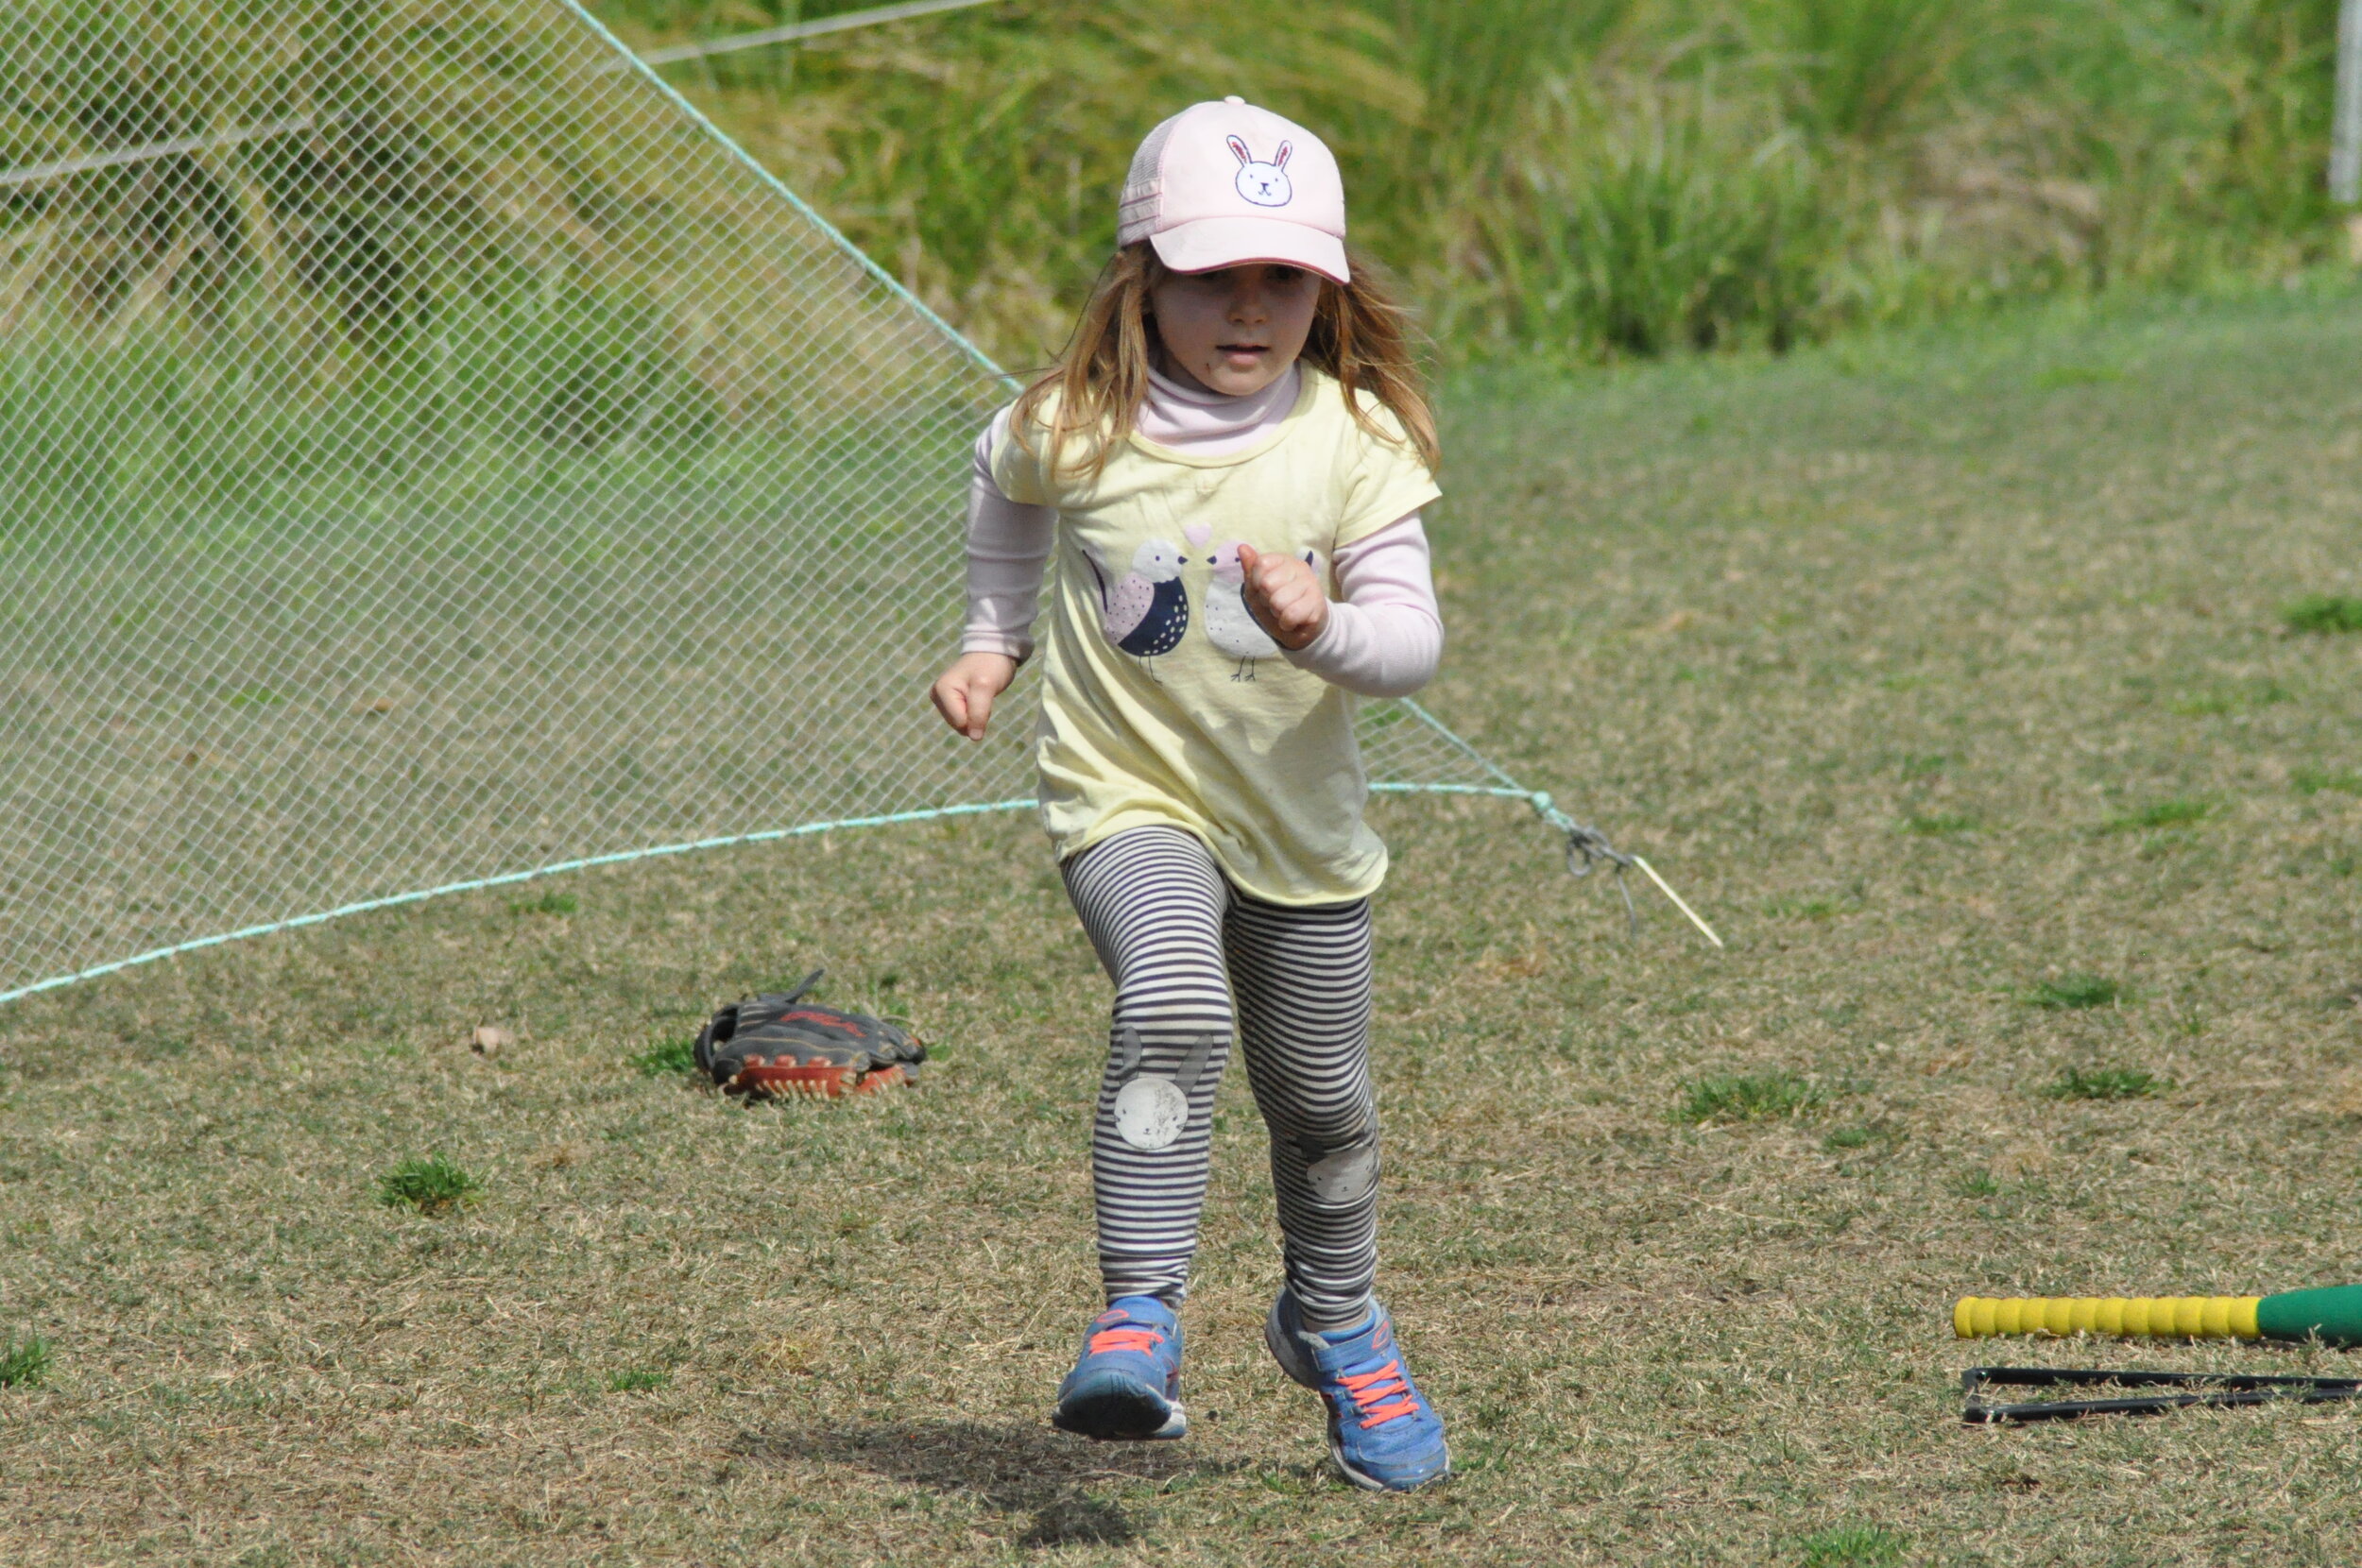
1144, 1340
1368, 1389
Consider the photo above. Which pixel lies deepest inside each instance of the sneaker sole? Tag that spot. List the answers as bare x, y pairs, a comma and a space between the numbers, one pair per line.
1131, 1414
1371, 1483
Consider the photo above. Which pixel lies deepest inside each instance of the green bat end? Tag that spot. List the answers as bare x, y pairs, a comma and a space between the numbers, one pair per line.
2333, 1313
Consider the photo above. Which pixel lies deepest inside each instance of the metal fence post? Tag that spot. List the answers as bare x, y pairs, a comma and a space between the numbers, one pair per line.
2345, 150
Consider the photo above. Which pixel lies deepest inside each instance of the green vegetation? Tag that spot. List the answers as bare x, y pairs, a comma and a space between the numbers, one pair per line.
1579, 178
1811, 909
667, 1058
1976, 1183
2107, 1083
1746, 1098
636, 1381
1569, 179
1938, 825
2075, 375
1853, 1546
431, 1185
24, 1362
1552, 181
1719, 1343
548, 903
2324, 612
2074, 991
2177, 812
2312, 781
2240, 699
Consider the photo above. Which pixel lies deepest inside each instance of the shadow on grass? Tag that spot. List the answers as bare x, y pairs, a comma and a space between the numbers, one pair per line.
1018, 1470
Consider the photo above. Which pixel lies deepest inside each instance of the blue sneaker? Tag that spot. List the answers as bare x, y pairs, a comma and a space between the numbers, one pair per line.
1126, 1386
1384, 1434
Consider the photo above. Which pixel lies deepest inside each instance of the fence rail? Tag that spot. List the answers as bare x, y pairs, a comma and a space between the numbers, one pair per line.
148, 152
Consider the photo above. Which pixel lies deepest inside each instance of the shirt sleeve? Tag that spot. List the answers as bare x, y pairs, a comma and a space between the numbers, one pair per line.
1015, 471
1387, 481
1008, 547
1385, 637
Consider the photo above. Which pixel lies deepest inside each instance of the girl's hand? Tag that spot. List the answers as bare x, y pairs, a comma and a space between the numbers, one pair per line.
964, 693
1284, 596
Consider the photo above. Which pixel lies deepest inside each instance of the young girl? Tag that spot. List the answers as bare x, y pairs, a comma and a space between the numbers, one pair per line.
1234, 432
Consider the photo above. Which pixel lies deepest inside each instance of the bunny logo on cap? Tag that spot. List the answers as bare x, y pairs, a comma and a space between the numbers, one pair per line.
1264, 184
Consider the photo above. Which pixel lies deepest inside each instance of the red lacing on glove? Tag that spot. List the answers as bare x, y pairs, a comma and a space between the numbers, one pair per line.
1369, 1388
1143, 1340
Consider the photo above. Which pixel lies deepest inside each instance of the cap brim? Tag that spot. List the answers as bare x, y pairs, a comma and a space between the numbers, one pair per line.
1211, 243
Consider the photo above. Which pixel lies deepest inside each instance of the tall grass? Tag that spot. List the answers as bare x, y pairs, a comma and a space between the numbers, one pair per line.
1572, 179
1582, 177
1859, 72
1641, 218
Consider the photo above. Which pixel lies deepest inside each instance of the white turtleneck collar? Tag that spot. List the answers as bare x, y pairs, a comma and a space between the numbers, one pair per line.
1206, 423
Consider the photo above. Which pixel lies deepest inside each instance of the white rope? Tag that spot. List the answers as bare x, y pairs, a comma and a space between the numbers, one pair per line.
153, 150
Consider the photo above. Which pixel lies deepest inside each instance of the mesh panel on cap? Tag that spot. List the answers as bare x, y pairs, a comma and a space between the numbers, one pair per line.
1143, 186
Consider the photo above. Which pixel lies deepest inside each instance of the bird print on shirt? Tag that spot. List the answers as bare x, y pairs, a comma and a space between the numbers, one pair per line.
1229, 624
1144, 612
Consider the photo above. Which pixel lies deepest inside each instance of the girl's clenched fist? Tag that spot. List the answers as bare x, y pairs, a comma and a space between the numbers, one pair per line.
1285, 596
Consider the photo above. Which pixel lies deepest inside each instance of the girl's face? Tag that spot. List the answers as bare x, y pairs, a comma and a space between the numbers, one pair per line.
1237, 329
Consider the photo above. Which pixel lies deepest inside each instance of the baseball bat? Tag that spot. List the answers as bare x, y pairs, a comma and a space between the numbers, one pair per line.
2332, 1314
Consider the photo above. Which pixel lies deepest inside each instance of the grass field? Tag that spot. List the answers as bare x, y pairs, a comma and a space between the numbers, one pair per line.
1951, 675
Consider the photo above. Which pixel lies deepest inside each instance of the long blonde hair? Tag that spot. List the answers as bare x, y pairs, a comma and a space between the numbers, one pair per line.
1360, 336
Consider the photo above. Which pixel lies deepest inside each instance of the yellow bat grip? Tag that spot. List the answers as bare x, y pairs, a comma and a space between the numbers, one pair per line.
2154, 1317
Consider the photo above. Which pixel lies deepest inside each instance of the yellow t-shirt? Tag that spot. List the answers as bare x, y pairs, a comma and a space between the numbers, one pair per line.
1166, 702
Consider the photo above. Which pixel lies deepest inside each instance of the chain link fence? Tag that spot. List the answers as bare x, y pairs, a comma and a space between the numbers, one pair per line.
431, 454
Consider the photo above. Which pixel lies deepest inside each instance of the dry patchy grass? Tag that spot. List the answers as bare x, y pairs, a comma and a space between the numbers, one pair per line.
1757, 621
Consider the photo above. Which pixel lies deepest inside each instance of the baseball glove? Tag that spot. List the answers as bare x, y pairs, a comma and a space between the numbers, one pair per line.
779, 1044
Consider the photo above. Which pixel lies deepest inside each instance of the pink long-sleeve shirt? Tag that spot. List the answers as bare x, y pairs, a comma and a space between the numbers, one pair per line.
1383, 639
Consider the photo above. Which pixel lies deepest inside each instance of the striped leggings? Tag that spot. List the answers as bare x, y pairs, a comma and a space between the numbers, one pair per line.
1191, 956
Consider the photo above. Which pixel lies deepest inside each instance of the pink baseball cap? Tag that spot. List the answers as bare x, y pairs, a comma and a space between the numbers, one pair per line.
1221, 184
